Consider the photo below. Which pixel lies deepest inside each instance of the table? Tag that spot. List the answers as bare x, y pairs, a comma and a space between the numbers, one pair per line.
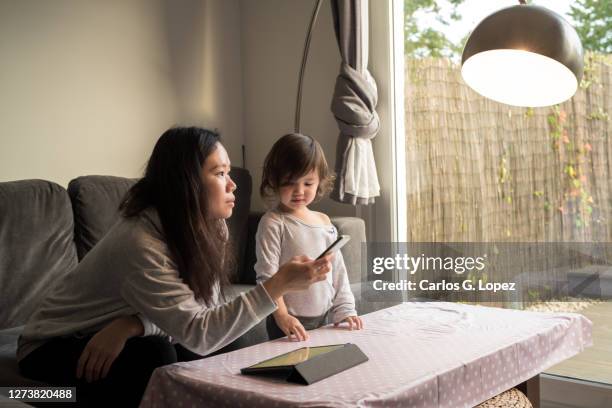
422, 354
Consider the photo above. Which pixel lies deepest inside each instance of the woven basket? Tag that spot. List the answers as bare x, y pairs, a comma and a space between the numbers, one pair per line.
512, 398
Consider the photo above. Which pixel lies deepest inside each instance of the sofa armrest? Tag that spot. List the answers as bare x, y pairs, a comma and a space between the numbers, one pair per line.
351, 252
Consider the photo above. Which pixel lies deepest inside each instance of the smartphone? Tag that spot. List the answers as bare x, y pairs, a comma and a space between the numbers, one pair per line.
337, 244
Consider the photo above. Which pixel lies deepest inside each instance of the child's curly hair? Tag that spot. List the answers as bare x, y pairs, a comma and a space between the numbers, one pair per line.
291, 157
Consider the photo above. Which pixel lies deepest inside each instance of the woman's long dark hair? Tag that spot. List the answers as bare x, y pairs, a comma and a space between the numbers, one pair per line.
173, 185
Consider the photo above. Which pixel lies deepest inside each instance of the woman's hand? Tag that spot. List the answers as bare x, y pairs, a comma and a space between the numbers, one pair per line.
291, 326
298, 274
353, 322
104, 347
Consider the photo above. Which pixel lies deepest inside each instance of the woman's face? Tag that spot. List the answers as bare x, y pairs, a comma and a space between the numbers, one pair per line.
218, 184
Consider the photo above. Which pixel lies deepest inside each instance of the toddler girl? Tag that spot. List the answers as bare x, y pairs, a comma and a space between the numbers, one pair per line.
296, 174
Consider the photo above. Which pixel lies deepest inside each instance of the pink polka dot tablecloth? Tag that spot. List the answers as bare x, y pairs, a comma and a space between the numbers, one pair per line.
425, 354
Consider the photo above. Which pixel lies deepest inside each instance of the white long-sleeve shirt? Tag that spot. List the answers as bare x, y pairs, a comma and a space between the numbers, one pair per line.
130, 271
280, 237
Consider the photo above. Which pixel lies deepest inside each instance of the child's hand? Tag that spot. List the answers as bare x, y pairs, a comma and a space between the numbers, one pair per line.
291, 327
353, 322
104, 347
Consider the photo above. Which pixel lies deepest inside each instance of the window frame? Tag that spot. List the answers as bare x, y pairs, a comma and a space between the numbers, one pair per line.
387, 218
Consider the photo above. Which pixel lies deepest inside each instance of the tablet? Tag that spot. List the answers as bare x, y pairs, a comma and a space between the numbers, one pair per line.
290, 359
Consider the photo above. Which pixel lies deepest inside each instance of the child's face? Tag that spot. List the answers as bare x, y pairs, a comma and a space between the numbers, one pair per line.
297, 194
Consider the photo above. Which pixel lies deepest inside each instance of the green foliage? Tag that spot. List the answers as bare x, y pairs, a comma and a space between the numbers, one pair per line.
593, 22
428, 42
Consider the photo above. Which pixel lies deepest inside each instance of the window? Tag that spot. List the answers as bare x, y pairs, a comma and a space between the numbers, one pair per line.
469, 169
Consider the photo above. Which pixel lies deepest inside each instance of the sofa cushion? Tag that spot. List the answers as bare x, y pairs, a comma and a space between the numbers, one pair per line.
248, 275
237, 223
95, 202
36, 245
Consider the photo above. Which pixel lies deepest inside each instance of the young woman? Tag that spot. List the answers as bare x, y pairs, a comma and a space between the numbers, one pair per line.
159, 272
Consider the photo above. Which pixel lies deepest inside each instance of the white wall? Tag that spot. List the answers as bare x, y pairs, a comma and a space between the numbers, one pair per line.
86, 87
273, 34
204, 37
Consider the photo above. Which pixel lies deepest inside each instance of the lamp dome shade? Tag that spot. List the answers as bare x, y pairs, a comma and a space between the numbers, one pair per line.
523, 55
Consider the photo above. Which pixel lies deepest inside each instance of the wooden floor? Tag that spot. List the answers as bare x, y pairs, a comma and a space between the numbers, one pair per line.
594, 363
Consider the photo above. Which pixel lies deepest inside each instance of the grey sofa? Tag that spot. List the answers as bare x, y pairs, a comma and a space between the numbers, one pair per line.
45, 230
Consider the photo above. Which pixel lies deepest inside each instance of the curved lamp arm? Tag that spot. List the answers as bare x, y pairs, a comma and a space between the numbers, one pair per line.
298, 104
